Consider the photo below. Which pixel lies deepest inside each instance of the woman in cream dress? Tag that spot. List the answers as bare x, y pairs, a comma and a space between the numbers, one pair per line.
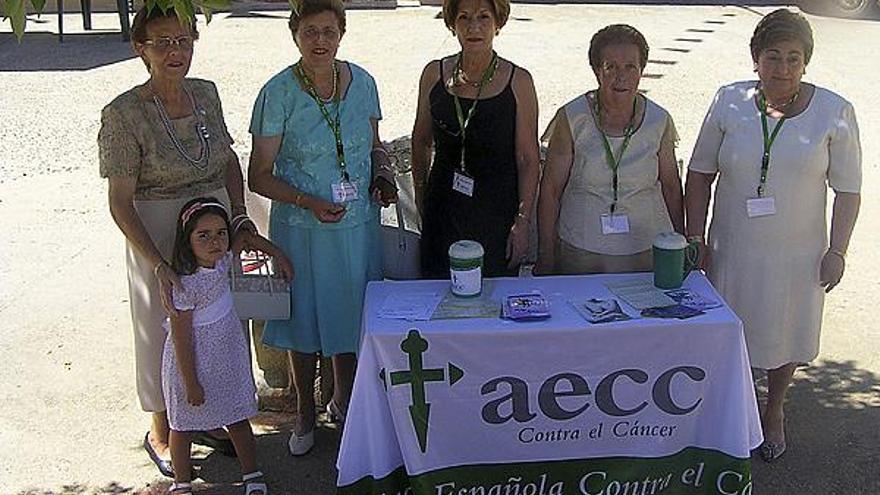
768, 251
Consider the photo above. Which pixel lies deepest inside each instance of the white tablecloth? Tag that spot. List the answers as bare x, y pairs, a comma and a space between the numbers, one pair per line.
554, 406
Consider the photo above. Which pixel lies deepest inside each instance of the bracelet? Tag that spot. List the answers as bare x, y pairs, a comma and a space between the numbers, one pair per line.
696, 238
239, 221
838, 252
297, 199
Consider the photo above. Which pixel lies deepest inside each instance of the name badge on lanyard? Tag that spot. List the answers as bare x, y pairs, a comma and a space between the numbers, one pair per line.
463, 183
344, 191
760, 207
614, 223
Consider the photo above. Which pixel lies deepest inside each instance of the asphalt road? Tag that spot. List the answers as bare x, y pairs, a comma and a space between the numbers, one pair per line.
69, 420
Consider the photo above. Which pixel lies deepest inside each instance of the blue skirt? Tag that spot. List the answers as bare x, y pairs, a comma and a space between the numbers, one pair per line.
332, 268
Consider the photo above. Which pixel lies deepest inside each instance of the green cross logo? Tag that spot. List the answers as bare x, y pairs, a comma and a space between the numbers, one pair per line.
416, 377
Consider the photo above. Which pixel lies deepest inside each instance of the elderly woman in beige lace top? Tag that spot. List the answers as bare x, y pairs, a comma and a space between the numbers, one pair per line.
162, 143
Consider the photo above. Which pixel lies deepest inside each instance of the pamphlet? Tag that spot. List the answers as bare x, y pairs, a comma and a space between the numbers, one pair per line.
640, 294
600, 310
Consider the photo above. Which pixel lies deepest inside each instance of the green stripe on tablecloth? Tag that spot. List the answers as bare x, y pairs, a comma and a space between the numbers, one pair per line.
721, 474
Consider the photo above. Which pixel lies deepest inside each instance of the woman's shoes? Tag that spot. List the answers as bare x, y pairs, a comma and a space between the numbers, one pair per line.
301, 444
335, 413
253, 484
770, 451
164, 465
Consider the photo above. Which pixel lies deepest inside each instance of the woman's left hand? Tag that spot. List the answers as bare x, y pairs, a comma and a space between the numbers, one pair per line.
242, 241
283, 266
517, 242
383, 192
831, 270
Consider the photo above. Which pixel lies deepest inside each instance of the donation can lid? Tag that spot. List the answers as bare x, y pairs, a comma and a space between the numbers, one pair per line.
670, 241
466, 250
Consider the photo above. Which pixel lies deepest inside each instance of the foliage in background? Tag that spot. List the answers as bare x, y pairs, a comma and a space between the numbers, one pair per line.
15, 10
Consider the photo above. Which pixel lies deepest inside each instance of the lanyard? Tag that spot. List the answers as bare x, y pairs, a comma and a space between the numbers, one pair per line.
614, 163
459, 113
333, 123
768, 141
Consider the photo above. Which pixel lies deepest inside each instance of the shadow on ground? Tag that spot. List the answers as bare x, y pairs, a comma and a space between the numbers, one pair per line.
831, 424
41, 51
833, 413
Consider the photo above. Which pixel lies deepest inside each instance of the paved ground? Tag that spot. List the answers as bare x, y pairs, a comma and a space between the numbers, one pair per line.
69, 421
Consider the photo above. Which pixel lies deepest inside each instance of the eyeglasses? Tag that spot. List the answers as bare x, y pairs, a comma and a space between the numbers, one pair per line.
312, 33
166, 44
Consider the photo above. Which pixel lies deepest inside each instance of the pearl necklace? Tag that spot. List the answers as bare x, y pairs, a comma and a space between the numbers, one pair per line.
201, 161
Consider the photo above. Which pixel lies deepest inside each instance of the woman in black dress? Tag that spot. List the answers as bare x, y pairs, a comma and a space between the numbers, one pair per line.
480, 114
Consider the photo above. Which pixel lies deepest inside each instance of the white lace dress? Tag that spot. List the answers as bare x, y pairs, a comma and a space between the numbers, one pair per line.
220, 351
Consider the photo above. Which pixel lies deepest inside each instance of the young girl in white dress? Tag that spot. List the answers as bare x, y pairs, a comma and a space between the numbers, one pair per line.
206, 366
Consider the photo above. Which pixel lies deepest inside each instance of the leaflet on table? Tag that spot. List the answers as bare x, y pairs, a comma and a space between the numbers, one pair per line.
640, 294
525, 306
453, 307
411, 306
596, 310
691, 299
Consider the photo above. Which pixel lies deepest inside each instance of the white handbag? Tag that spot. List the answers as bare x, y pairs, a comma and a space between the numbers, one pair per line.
256, 292
401, 250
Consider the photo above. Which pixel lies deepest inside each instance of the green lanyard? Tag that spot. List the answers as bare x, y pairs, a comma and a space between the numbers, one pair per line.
459, 113
332, 123
614, 163
768, 141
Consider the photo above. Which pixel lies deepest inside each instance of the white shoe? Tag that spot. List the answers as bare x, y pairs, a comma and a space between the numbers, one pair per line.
301, 444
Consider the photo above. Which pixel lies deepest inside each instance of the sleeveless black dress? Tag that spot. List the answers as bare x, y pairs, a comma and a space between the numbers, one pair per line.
488, 215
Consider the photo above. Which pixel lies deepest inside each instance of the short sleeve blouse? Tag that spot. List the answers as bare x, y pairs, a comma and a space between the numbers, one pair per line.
133, 142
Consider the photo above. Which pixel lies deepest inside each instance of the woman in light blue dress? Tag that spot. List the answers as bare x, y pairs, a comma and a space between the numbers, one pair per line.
318, 157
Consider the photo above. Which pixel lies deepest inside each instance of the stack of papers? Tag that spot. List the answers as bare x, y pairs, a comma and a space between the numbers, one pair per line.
413, 306
640, 294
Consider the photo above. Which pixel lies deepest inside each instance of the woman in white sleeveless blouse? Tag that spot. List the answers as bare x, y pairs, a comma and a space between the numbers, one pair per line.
611, 182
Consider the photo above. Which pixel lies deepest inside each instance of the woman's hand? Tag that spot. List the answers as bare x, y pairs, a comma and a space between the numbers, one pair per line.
283, 266
831, 270
167, 281
243, 240
383, 192
517, 242
324, 211
704, 256
195, 394
544, 266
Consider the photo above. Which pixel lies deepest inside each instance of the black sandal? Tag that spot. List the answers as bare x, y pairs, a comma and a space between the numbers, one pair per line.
163, 464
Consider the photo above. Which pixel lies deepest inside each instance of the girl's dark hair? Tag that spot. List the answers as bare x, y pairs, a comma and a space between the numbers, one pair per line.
617, 34
782, 25
183, 260
304, 8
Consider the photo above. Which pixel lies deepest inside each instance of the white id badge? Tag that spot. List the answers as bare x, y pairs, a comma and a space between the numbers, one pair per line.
463, 184
617, 223
344, 191
760, 207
